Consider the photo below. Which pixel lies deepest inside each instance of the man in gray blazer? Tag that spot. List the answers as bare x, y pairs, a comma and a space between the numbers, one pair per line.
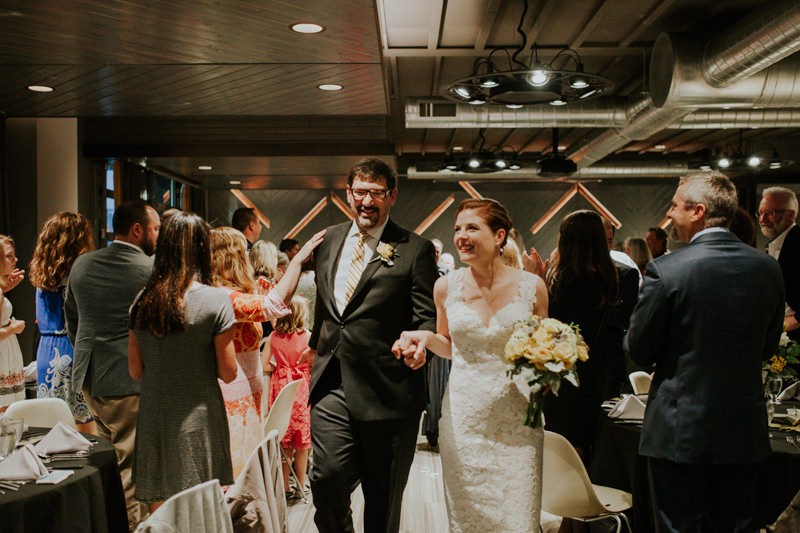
707, 316
100, 290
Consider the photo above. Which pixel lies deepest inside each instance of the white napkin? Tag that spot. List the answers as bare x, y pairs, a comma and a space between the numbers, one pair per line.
22, 465
630, 408
791, 392
62, 439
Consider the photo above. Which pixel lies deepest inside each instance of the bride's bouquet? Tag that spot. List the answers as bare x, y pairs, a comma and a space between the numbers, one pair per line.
546, 350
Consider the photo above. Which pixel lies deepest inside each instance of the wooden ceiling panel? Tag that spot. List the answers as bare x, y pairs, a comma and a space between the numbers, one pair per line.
169, 90
187, 31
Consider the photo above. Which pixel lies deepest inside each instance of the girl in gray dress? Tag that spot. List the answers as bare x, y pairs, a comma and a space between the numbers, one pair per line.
180, 342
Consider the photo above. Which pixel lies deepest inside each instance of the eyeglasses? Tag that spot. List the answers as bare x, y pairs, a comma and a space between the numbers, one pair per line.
376, 194
769, 213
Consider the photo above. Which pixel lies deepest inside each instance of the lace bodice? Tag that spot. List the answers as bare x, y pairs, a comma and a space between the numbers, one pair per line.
487, 454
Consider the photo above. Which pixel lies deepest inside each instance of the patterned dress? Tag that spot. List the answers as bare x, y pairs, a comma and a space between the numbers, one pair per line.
286, 348
12, 377
55, 354
243, 395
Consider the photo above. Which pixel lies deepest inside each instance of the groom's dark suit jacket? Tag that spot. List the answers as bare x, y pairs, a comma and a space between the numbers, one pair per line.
707, 316
354, 347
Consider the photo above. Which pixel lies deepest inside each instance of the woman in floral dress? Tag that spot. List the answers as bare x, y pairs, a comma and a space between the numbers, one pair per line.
232, 272
63, 238
12, 378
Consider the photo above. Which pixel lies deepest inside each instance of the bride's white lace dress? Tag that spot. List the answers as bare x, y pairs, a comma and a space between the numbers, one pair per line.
490, 461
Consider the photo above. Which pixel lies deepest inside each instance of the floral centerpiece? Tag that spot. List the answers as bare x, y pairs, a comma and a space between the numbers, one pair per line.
788, 352
546, 350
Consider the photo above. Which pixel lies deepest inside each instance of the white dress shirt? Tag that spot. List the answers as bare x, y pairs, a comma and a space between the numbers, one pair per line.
370, 244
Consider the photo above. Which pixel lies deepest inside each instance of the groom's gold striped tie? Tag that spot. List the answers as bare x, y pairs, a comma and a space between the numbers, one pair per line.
356, 266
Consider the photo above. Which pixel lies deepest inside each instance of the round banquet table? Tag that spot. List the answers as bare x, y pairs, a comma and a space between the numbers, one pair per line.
90, 500
616, 463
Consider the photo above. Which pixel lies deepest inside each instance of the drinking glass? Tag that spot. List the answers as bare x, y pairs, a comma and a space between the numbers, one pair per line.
12, 424
774, 385
7, 442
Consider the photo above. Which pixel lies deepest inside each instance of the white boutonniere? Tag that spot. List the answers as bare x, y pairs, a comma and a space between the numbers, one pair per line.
386, 253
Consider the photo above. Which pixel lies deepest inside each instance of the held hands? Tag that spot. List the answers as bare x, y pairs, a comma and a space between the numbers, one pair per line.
411, 348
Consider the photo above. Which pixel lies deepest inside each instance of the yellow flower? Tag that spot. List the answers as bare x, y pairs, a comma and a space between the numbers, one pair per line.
386, 253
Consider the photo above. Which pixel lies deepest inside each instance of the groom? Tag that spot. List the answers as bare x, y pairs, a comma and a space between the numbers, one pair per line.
374, 280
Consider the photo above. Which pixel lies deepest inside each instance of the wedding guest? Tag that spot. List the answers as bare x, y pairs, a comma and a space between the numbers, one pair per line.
619, 256
100, 290
264, 259
744, 226
232, 272
777, 215
63, 238
703, 463
638, 251
245, 220
588, 289
12, 376
290, 247
657, 241
483, 440
287, 345
374, 279
180, 342
283, 262
446, 263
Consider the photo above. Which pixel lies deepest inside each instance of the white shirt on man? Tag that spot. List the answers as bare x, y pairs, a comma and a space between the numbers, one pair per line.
370, 244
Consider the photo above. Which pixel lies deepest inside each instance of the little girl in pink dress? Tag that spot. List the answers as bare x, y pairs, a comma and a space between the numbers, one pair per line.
286, 345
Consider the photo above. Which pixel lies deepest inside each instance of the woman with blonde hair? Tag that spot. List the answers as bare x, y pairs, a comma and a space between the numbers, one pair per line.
637, 249
63, 238
264, 259
232, 272
12, 378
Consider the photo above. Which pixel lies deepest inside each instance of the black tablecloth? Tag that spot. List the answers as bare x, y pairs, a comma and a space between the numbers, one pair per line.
616, 463
90, 500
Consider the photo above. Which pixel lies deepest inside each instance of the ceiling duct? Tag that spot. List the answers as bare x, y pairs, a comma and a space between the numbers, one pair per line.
605, 170
600, 113
751, 46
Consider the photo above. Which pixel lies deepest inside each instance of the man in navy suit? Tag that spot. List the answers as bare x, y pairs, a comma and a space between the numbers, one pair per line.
374, 280
777, 214
707, 316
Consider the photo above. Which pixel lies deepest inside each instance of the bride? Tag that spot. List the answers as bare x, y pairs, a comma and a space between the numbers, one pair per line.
491, 462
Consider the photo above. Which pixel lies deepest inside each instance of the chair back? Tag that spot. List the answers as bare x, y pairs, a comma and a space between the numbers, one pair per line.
198, 508
42, 412
640, 381
566, 489
281, 411
256, 501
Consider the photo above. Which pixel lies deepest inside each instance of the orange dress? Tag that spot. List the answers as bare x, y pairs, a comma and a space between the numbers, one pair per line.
286, 349
243, 395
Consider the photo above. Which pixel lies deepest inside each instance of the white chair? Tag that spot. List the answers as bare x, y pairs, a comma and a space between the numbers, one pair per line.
42, 412
256, 500
198, 508
568, 492
640, 381
278, 418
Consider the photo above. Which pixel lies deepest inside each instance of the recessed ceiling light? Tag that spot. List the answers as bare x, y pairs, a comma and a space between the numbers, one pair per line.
458, 148
330, 87
40, 88
562, 147
204, 167
235, 182
307, 27
660, 147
